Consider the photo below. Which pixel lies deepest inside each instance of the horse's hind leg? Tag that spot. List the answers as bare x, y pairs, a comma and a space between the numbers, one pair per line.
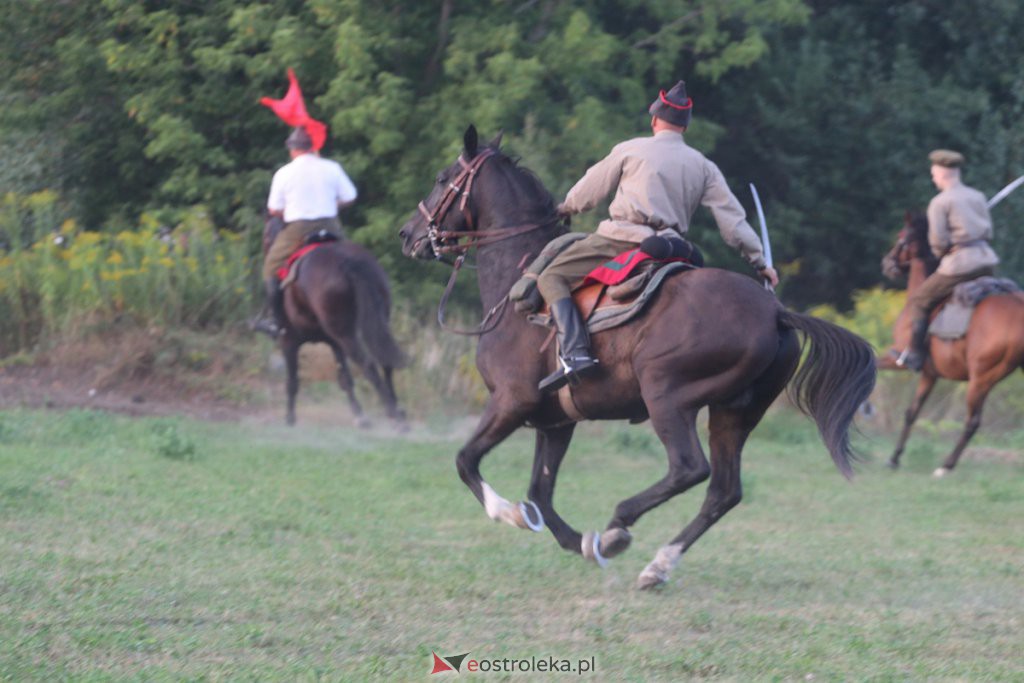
394, 411
924, 389
677, 428
348, 386
978, 387
290, 351
729, 431
730, 425
354, 350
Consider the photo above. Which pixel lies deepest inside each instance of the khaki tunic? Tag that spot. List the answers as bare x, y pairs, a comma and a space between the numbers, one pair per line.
959, 227
660, 182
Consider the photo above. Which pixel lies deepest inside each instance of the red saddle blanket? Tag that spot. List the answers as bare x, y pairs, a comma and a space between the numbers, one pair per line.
282, 272
622, 266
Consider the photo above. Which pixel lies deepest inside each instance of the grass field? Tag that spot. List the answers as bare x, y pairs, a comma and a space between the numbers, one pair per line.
166, 549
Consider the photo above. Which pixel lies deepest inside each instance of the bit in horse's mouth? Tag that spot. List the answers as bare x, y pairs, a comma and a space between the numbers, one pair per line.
417, 250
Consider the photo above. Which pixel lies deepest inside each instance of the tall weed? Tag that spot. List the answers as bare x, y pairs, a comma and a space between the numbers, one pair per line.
53, 275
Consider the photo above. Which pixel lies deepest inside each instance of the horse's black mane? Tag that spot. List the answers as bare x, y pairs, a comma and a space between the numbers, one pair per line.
917, 221
532, 179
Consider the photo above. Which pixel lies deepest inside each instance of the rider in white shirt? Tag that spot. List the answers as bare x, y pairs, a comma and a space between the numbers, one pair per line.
307, 193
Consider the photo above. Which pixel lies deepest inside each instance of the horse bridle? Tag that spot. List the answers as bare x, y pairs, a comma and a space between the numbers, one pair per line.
447, 241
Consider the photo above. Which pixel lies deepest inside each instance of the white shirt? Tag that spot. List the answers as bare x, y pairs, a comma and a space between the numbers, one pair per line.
310, 187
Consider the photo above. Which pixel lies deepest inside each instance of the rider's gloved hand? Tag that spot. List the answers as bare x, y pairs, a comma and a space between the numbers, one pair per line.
769, 274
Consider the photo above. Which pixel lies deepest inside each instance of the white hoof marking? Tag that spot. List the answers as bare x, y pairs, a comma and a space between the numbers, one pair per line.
940, 473
493, 503
591, 548
657, 572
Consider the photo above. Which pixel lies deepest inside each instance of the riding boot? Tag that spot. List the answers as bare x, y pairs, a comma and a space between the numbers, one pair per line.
913, 356
272, 320
573, 346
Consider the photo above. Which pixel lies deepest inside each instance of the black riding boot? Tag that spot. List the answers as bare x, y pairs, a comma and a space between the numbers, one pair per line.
914, 356
272, 320
573, 346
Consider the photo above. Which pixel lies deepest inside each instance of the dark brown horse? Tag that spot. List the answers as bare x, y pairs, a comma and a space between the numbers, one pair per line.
991, 350
709, 338
341, 297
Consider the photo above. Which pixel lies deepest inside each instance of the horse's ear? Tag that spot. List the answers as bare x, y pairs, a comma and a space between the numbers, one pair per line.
496, 142
470, 142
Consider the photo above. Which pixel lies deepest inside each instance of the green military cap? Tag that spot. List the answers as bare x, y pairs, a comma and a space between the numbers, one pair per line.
947, 158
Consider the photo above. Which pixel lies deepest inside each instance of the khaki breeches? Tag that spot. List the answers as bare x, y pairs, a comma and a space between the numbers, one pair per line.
291, 238
936, 288
568, 269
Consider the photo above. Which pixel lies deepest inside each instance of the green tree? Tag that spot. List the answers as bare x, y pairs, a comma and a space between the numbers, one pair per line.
170, 93
836, 123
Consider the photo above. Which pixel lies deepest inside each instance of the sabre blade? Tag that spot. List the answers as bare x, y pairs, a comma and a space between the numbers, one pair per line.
1001, 195
766, 244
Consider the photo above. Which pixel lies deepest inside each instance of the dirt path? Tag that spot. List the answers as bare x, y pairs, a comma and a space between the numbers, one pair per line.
64, 389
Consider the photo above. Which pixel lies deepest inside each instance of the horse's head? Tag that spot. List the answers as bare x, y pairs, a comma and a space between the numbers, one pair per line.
911, 243
447, 211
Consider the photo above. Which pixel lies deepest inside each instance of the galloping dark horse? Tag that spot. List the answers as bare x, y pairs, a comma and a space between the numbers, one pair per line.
710, 338
991, 350
341, 297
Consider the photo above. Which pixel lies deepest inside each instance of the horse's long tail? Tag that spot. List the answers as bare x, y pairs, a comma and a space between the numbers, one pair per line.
373, 313
835, 378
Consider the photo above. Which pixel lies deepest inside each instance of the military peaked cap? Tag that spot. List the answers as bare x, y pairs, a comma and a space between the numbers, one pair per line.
947, 158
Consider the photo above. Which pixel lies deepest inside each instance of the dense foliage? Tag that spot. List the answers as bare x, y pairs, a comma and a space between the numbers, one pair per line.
124, 107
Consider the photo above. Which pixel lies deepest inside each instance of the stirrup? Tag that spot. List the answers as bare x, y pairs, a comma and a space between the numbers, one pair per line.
267, 327
911, 360
567, 374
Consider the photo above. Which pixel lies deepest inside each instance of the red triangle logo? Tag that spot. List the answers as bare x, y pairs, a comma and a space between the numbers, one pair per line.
440, 665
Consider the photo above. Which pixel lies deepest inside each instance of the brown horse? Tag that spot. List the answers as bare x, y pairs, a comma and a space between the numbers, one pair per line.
991, 350
341, 297
709, 338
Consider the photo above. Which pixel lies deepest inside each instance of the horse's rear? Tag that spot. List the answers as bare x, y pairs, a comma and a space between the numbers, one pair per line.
341, 297
993, 346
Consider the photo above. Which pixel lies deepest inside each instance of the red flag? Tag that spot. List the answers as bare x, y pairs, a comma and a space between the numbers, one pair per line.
292, 110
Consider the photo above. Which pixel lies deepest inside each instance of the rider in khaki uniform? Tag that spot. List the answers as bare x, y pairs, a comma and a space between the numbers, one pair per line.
959, 227
659, 183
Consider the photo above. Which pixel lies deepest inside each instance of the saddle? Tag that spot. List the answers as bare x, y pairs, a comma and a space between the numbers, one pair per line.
954, 315
613, 293
286, 273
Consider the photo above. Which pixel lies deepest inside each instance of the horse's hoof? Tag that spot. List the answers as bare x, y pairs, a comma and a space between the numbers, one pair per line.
591, 547
893, 464
615, 541
364, 422
940, 472
531, 516
648, 580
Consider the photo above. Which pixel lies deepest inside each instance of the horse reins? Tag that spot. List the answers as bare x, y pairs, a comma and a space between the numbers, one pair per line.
460, 187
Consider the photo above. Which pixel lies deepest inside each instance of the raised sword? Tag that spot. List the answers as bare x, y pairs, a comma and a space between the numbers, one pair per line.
765, 243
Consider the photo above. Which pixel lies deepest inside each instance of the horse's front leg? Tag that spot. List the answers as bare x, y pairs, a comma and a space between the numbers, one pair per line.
496, 424
924, 388
551, 446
